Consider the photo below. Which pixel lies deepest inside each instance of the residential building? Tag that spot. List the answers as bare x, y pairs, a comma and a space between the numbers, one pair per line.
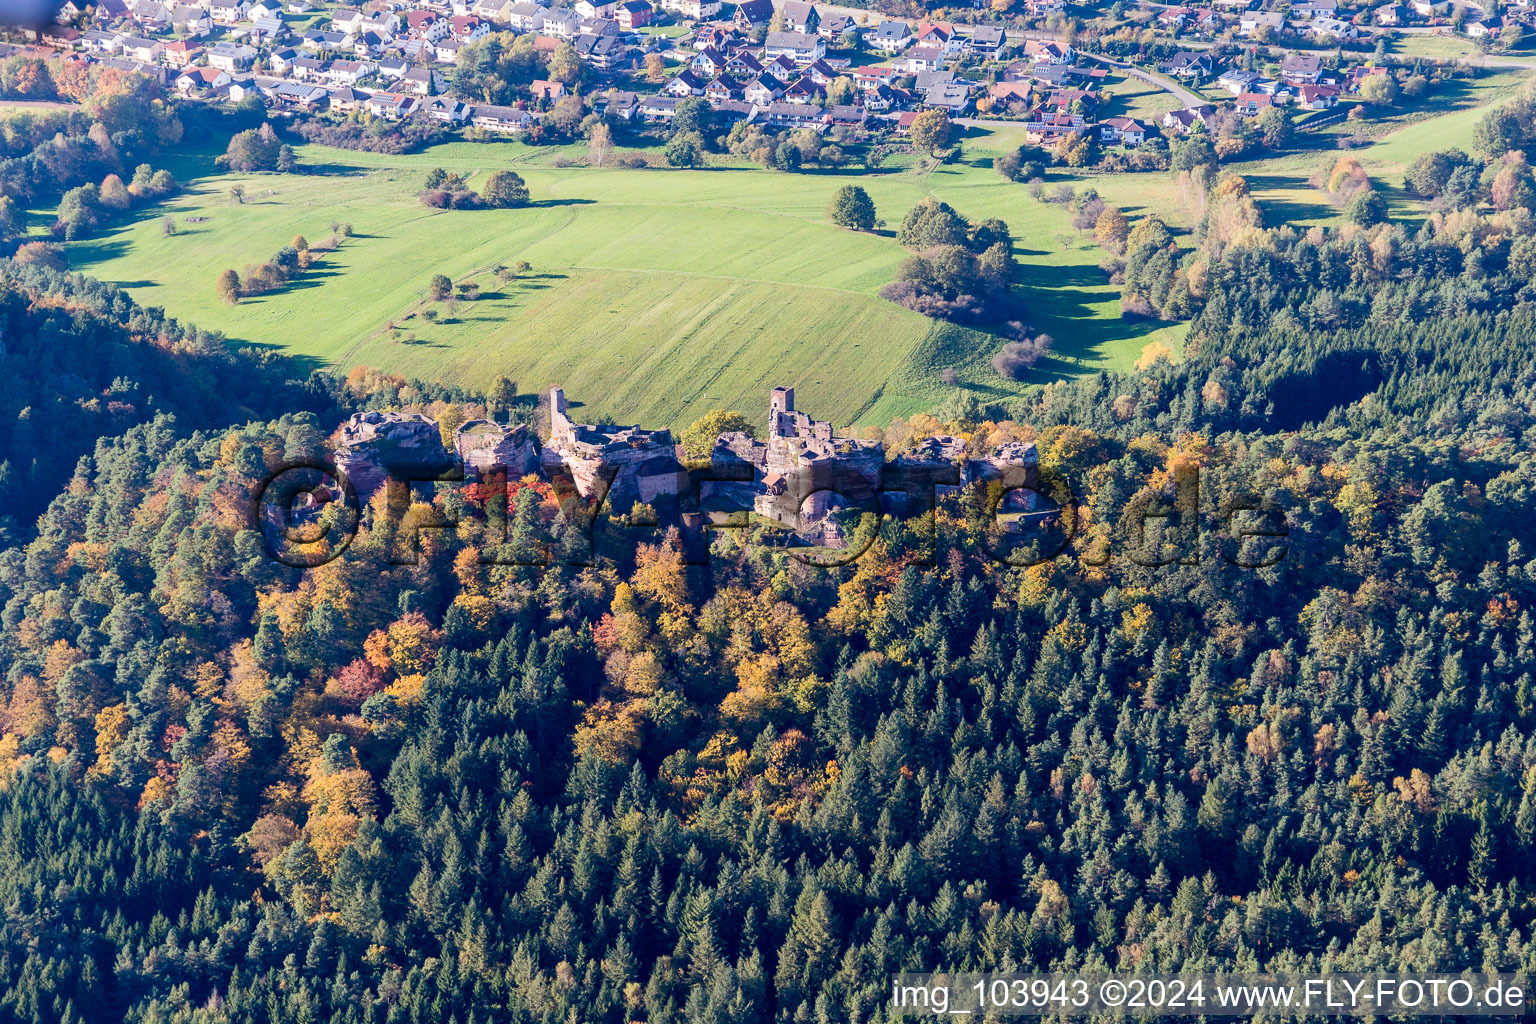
1124, 131
799, 16
798, 46
632, 14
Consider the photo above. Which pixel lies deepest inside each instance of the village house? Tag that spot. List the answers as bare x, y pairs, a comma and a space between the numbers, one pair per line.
835, 25
345, 100
1189, 66
229, 57
227, 12
657, 108
694, 10
801, 48
147, 50
1183, 121
307, 68
724, 87
1238, 80
201, 80
1052, 128
594, 8
1317, 97
491, 10
1007, 94
323, 42
952, 97
181, 53
1301, 69
685, 84
943, 36
151, 16
561, 24
348, 72
543, 89
632, 14
1251, 104
820, 72
506, 120
522, 17
763, 90
804, 90
445, 109
1173, 18
617, 103
1253, 22
98, 41
426, 25
891, 37
299, 95
922, 58
708, 61
752, 13
1123, 131
1332, 28
391, 106
416, 81
191, 20
987, 39
346, 20
799, 16
795, 115
1049, 52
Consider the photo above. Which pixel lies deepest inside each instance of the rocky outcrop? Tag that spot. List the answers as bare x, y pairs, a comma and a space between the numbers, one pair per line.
375, 446
624, 464
484, 446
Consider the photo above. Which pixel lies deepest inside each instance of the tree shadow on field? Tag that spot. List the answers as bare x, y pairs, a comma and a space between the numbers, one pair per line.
96, 250
331, 170
540, 203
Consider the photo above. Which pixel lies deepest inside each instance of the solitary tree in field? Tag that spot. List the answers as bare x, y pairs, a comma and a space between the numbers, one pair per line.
931, 130
440, 287
505, 189
229, 287
599, 145
168, 226
852, 208
237, 194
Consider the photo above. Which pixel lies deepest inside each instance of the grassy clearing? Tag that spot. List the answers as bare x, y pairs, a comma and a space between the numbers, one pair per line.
655, 294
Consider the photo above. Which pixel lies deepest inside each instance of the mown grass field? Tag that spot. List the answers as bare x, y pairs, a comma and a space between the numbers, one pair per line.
655, 294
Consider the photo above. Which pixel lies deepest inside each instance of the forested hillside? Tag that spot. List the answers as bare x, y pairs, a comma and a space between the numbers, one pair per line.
642, 791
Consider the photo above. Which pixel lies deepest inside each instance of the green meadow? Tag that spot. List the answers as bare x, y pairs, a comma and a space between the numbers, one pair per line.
654, 295
1391, 140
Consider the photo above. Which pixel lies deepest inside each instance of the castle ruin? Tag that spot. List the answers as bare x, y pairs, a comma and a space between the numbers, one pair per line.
797, 476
